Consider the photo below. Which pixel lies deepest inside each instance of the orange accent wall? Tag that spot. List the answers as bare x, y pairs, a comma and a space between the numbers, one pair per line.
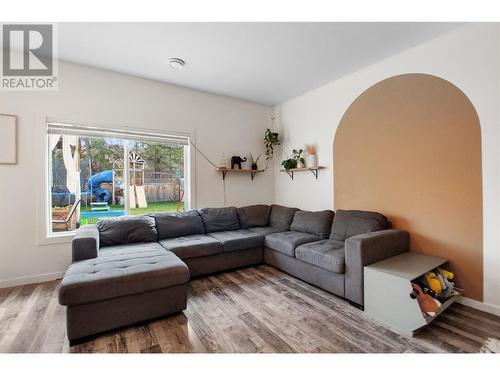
410, 147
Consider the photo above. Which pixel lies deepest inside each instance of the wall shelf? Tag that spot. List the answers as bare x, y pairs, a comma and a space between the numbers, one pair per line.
251, 172
314, 171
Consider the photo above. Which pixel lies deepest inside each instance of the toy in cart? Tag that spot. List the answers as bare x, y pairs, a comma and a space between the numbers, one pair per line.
433, 289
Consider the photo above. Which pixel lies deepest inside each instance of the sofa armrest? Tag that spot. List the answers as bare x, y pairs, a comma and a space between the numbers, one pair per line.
85, 244
368, 248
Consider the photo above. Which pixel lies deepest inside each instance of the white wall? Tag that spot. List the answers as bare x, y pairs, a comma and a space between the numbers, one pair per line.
468, 57
87, 95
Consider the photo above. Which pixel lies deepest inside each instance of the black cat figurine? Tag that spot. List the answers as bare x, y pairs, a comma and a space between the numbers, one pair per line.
236, 160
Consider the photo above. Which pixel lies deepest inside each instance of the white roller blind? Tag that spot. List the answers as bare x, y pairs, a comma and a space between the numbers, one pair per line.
61, 128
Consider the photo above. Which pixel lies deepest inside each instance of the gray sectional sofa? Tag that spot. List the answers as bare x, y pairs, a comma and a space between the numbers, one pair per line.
129, 269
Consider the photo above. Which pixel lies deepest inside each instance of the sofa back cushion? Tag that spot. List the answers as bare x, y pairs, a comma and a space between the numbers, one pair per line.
348, 223
254, 216
126, 229
313, 222
281, 217
220, 219
178, 224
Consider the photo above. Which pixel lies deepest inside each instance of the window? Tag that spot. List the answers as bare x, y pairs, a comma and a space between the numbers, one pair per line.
89, 179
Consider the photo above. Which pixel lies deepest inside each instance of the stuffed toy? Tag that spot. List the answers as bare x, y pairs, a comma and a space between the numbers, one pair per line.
433, 282
446, 274
447, 292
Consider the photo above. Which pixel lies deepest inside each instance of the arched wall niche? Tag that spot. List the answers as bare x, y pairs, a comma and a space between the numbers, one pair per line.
410, 147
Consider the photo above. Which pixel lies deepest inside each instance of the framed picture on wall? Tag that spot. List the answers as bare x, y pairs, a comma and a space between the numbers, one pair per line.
8, 139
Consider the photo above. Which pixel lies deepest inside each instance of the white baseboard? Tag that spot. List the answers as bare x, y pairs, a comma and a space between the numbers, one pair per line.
486, 307
31, 279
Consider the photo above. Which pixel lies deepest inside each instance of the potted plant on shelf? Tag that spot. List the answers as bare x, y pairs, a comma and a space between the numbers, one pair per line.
297, 155
289, 164
271, 140
254, 161
294, 161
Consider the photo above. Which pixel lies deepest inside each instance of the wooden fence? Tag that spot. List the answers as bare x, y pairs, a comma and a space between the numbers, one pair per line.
158, 187
161, 187
161, 192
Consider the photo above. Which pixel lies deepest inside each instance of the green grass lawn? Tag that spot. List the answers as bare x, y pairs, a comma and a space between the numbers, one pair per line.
156, 207
153, 207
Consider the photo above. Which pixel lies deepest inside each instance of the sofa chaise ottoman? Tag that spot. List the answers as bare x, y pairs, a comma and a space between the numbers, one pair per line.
125, 284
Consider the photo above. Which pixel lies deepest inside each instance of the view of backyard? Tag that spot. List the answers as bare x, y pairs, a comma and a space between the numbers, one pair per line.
88, 179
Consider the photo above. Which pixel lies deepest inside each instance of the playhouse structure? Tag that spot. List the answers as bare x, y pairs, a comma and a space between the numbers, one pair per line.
137, 195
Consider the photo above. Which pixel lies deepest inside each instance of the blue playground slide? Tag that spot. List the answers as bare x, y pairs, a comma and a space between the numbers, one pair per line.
94, 185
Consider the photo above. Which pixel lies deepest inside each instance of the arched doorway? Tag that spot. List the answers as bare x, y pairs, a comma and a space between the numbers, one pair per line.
410, 147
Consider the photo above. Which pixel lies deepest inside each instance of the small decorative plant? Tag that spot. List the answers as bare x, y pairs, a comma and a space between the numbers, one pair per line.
297, 155
254, 161
289, 164
312, 157
271, 140
311, 149
294, 161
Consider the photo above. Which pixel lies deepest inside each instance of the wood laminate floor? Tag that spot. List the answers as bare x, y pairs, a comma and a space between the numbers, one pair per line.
258, 309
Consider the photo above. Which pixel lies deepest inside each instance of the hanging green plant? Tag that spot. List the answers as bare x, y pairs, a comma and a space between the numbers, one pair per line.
271, 140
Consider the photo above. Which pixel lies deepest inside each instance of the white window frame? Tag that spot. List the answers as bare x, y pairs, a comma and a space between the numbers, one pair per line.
122, 133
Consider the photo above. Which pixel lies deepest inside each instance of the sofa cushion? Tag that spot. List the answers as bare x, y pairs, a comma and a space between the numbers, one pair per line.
126, 229
178, 224
318, 222
286, 242
240, 239
281, 217
264, 231
194, 246
220, 219
254, 216
327, 254
348, 223
130, 249
121, 271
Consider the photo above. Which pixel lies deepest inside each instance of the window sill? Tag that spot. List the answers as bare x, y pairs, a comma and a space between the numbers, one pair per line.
54, 239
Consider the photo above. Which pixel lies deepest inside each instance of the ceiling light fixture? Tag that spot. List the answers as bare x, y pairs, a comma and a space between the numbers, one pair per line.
176, 63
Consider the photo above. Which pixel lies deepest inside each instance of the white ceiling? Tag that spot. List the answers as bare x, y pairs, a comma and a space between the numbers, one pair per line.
266, 63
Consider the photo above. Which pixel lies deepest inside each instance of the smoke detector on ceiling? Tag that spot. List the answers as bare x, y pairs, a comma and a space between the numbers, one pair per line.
176, 63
